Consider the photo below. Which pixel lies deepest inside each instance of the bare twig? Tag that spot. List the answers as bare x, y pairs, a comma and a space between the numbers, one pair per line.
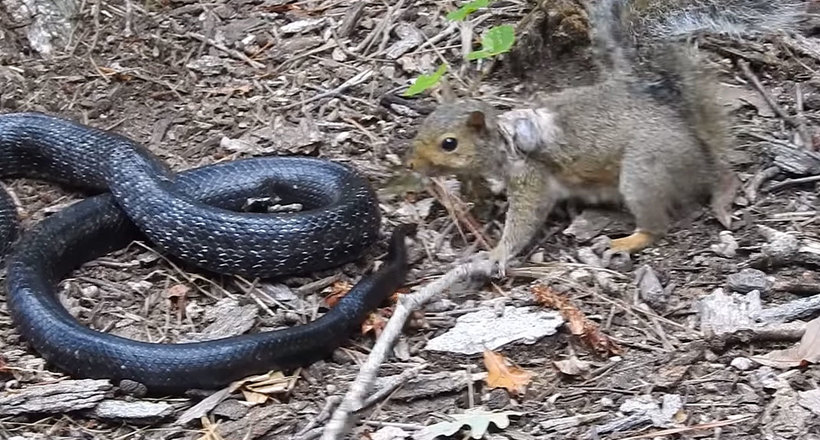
129, 18
702, 426
795, 122
403, 378
233, 53
343, 418
759, 179
455, 207
356, 80
790, 182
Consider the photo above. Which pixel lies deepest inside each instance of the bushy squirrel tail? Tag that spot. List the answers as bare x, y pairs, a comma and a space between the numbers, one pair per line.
608, 33
664, 20
696, 83
621, 28
649, 33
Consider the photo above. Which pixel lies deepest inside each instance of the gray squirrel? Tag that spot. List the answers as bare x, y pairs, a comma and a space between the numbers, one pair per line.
613, 141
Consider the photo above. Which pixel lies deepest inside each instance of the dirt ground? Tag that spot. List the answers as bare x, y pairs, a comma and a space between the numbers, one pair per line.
200, 82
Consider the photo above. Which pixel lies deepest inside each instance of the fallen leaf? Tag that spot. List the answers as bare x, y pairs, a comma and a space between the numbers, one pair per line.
502, 375
178, 292
807, 351
258, 389
577, 324
337, 291
394, 298
374, 323
178, 295
478, 421
255, 398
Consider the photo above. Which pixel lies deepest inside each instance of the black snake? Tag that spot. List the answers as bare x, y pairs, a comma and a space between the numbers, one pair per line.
195, 216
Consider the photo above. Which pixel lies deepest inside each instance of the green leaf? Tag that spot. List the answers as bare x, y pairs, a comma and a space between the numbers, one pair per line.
467, 9
424, 82
496, 40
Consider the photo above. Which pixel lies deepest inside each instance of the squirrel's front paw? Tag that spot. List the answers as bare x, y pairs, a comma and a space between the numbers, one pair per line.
499, 259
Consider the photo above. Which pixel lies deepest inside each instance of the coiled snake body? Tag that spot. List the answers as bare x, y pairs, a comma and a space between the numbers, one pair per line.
194, 216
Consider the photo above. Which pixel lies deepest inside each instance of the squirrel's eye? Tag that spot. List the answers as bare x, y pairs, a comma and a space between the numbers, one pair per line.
449, 144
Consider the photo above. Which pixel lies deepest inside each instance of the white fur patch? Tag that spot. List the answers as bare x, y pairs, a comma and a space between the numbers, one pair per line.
527, 130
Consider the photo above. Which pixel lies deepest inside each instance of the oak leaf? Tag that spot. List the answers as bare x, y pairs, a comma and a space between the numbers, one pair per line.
502, 375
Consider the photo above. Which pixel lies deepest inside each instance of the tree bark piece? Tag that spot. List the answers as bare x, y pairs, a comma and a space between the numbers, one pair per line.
60, 397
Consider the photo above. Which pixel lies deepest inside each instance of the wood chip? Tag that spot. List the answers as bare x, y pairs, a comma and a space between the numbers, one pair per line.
55, 398
138, 411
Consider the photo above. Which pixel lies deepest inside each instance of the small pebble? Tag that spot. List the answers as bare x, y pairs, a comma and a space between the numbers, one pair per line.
582, 276
132, 388
727, 247
748, 280
498, 399
742, 363
231, 409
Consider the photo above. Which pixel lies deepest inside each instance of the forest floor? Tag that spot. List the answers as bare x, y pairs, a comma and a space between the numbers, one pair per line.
201, 82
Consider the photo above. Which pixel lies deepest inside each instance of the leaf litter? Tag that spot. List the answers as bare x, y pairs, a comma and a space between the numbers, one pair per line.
188, 83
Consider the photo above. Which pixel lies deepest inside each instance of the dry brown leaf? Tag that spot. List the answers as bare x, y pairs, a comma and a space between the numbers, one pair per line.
577, 324
807, 351
209, 430
374, 323
394, 298
337, 291
254, 397
258, 389
178, 292
502, 375
178, 295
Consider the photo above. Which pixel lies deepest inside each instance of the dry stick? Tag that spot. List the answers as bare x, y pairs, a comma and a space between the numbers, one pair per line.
234, 53
359, 78
129, 17
790, 182
759, 179
343, 418
455, 207
797, 123
394, 11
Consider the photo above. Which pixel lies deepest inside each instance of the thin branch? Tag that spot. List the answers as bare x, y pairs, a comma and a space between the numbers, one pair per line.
795, 122
344, 416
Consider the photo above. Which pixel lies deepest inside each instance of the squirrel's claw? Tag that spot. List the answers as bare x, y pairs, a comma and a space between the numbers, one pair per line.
499, 258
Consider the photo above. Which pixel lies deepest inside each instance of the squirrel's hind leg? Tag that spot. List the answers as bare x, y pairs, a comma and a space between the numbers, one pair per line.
723, 194
634, 242
647, 197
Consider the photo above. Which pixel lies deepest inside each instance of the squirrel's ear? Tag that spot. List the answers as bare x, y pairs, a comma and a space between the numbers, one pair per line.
476, 120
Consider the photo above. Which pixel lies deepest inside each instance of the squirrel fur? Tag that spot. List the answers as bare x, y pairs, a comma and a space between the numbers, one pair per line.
612, 141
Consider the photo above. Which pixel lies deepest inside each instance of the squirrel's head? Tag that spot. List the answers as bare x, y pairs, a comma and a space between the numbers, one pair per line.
454, 139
